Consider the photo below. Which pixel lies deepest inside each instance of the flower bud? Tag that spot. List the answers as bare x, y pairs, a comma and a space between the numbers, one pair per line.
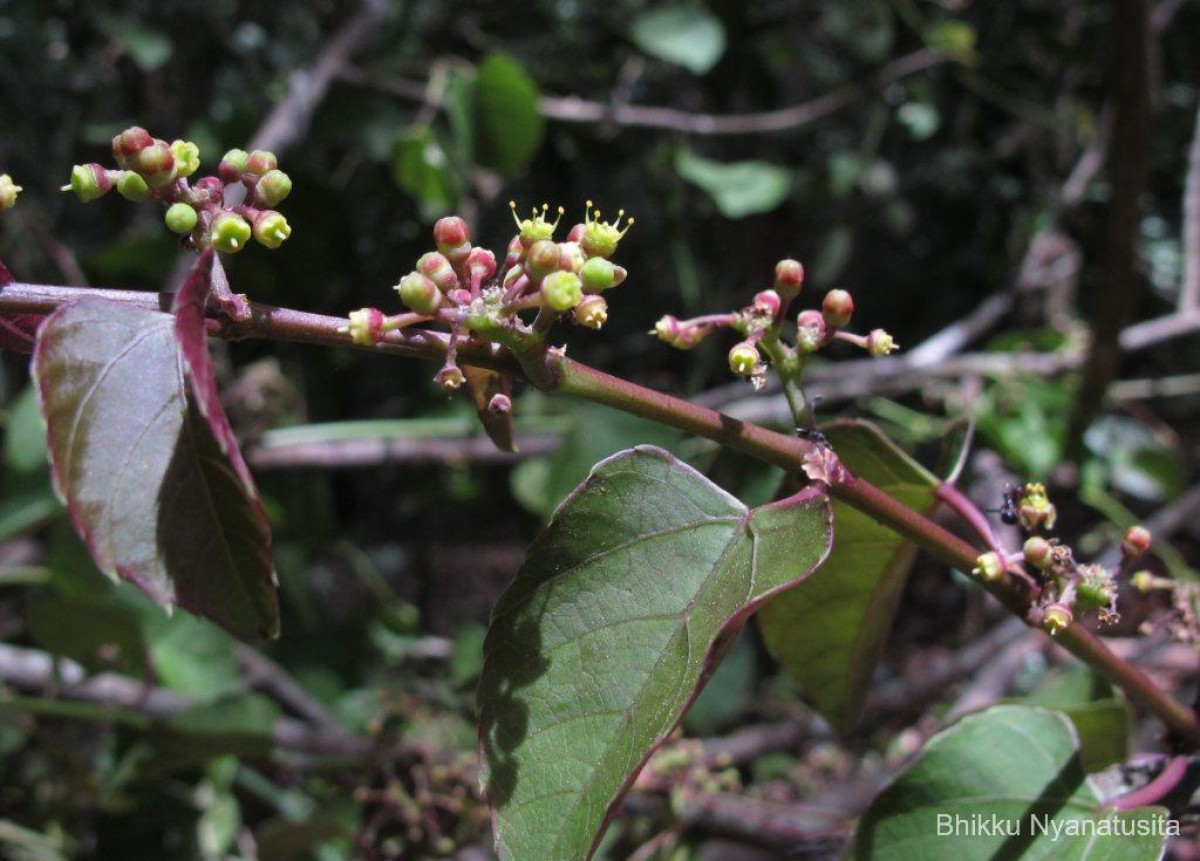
272, 188
542, 259
207, 189
989, 567
451, 232
1039, 552
810, 331
233, 165
187, 157
571, 257
880, 343
561, 291
1096, 588
89, 181
598, 274
271, 228
8, 192
419, 293
131, 186
230, 232
837, 307
156, 164
261, 162
515, 255
128, 144
789, 278
575, 234
1035, 510
500, 404
592, 311
436, 267
678, 333
1135, 543
366, 326
767, 302
180, 218
481, 264
1143, 581
600, 238
450, 378
744, 359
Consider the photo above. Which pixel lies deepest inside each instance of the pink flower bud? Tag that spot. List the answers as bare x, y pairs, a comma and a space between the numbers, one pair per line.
435, 266
811, 333
481, 264
365, 327
542, 259
789, 277
451, 232
1135, 543
767, 302
837, 307
261, 162
1039, 552
128, 144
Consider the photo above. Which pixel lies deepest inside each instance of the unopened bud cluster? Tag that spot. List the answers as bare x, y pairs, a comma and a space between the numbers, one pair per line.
760, 324
470, 291
149, 168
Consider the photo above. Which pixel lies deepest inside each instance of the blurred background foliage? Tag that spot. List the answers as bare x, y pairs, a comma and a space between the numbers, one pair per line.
907, 150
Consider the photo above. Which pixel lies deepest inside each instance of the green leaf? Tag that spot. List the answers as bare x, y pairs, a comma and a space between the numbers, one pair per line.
507, 120
681, 33
738, 188
144, 476
239, 725
24, 434
1016, 766
1102, 720
95, 632
599, 645
829, 635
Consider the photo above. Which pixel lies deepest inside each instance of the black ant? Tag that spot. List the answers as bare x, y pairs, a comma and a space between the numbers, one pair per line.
811, 433
1008, 508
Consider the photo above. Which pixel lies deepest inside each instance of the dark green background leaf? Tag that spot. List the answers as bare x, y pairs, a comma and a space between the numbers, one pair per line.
509, 126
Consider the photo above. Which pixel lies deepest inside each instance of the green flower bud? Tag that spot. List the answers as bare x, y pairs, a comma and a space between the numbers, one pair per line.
419, 293
131, 186
180, 218
230, 232
260, 162
233, 165
600, 238
271, 228
8, 192
272, 188
561, 291
156, 164
598, 274
1039, 552
89, 181
744, 359
592, 311
187, 157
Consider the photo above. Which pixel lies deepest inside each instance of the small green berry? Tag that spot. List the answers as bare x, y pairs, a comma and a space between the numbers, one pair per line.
89, 181
561, 291
180, 218
419, 293
272, 188
8, 192
744, 359
271, 228
187, 157
1039, 552
131, 186
230, 232
598, 274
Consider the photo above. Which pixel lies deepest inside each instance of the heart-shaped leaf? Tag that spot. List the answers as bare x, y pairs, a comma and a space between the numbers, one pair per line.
609, 631
146, 464
829, 634
1004, 783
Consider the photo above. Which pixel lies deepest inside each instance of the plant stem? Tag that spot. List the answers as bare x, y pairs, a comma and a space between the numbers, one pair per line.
550, 370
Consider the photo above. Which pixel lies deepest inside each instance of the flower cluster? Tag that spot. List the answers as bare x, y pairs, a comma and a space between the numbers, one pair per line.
760, 324
1067, 586
460, 285
8, 192
209, 212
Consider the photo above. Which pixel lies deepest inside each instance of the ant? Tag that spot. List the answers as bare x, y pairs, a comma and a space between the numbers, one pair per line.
811, 433
1008, 508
